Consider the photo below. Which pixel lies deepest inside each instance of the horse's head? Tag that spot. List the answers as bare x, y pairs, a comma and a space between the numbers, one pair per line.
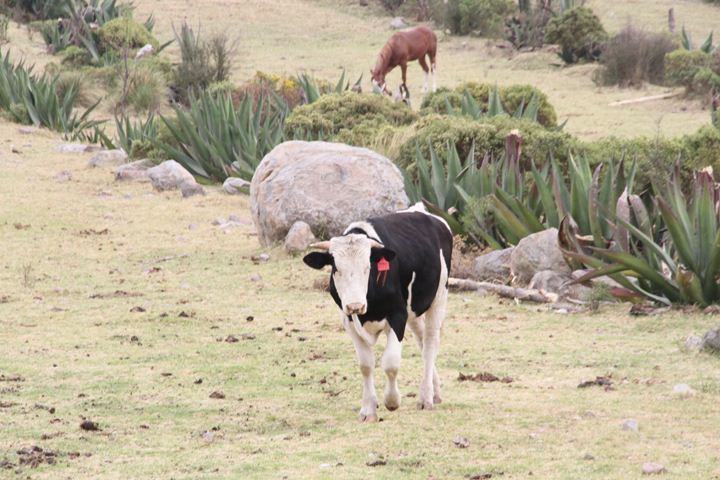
378, 83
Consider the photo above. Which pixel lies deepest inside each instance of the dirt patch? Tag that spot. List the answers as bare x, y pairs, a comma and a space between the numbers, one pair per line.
35, 456
89, 426
483, 377
116, 294
11, 378
91, 231
605, 382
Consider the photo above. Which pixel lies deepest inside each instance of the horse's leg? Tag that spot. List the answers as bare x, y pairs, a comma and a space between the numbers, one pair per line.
403, 67
425, 68
433, 66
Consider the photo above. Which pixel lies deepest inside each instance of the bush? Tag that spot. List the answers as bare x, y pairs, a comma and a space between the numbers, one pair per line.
488, 136
682, 65
579, 33
633, 57
702, 149
143, 87
479, 17
527, 28
76, 57
202, 62
81, 83
335, 114
511, 96
265, 85
4, 22
124, 32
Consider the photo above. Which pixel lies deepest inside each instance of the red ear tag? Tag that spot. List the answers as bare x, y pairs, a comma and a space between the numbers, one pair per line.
383, 265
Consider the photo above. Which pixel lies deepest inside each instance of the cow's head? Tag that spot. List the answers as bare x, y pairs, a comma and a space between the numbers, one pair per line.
351, 257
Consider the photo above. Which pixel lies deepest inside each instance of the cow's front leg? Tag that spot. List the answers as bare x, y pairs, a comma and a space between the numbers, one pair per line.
366, 360
391, 365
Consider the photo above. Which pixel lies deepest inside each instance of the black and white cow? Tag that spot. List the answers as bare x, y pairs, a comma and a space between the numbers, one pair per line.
388, 273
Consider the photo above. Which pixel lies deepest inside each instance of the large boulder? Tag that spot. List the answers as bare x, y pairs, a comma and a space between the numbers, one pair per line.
493, 266
537, 252
137, 170
326, 185
108, 157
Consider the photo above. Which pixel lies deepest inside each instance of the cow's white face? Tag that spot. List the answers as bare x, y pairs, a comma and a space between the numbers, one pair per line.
351, 256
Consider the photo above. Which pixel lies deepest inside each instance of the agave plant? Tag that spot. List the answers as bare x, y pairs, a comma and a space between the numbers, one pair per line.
34, 99
686, 42
216, 140
470, 107
674, 258
312, 90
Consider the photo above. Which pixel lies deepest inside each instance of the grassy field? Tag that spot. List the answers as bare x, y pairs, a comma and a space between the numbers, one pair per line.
120, 305
116, 304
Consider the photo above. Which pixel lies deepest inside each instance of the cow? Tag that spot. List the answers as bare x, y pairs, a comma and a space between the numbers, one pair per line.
387, 273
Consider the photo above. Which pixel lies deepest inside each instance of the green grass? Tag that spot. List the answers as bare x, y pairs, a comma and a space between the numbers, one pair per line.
76, 354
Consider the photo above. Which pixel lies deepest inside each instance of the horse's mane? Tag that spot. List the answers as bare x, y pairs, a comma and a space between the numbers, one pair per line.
383, 57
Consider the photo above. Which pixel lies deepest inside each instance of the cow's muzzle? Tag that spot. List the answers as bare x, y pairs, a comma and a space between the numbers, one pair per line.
355, 308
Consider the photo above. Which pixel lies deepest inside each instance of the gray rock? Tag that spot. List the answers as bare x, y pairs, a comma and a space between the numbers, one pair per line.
63, 176
537, 252
652, 468
630, 425
683, 390
169, 175
219, 221
27, 130
108, 157
693, 342
236, 186
299, 238
398, 23
711, 339
588, 456
493, 266
190, 189
604, 280
77, 148
144, 51
326, 185
137, 171
556, 282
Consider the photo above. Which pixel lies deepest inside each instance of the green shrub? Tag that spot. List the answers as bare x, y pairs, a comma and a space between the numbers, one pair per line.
702, 149
633, 57
705, 80
579, 33
76, 56
480, 17
146, 88
335, 114
682, 65
511, 96
4, 22
124, 32
488, 136
202, 62
79, 82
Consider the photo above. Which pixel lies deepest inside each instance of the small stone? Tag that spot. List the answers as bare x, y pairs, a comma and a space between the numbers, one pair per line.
711, 339
146, 50
630, 425
461, 442
261, 258
255, 277
63, 176
208, 436
14, 149
693, 342
89, 425
398, 23
217, 395
27, 130
683, 390
108, 157
192, 226
76, 148
133, 171
169, 175
190, 189
375, 460
588, 456
219, 221
299, 238
236, 186
651, 468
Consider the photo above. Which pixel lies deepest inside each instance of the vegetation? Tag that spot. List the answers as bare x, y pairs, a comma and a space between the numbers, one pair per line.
633, 57
125, 32
29, 98
579, 33
202, 62
214, 140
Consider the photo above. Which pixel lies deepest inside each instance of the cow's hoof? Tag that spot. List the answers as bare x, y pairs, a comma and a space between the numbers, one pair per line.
370, 418
424, 405
392, 405
437, 400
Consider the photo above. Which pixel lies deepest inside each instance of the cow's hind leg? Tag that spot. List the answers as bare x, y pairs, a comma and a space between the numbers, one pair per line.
430, 384
391, 365
366, 360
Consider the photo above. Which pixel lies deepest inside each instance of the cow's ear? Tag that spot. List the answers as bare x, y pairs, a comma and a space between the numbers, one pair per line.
377, 253
317, 260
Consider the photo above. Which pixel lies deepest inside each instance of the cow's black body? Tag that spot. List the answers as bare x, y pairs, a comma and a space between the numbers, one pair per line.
417, 239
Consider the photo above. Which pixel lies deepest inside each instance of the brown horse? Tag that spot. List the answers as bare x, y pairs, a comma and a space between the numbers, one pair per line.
404, 47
